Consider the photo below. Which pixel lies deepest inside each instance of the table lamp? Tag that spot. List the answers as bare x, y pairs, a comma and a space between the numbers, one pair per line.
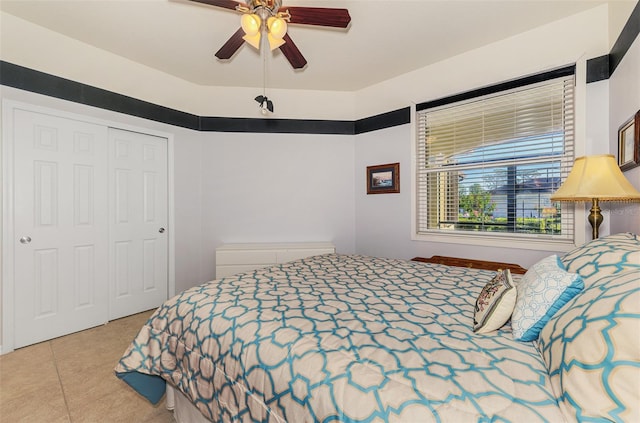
596, 178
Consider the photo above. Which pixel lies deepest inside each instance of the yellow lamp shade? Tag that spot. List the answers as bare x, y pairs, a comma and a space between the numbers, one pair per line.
250, 23
596, 177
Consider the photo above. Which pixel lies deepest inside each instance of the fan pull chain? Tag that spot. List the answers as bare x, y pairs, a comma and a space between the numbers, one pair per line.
266, 105
264, 73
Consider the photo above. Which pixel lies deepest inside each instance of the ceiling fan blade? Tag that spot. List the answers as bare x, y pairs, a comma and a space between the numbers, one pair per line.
291, 52
231, 46
227, 4
322, 16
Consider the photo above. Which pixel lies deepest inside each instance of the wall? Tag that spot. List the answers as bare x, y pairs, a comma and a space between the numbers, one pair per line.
383, 222
624, 102
619, 12
583, 36
276, 188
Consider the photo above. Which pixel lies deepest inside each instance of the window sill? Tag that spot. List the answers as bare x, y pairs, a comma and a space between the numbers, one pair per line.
533, 242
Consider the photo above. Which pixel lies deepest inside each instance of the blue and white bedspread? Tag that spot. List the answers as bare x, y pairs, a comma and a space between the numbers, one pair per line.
340, 338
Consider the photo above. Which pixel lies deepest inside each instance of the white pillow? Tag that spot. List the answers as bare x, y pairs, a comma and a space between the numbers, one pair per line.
495, 303
541, 292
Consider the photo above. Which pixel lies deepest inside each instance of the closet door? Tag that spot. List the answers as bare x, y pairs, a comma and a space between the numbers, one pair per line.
60, 226
138, 222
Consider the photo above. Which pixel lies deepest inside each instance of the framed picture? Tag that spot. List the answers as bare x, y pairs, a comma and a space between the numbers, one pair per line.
629, 143
383, 179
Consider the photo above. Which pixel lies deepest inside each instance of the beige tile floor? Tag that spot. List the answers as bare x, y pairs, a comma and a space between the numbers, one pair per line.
71, 379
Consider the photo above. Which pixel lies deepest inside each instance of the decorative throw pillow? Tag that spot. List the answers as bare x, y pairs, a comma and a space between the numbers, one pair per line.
495, 303
543, 290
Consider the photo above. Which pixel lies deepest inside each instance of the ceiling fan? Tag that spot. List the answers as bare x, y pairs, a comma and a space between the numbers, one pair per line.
273, 18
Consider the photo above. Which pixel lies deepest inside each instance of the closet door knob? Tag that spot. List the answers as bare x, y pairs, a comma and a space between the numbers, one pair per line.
161, 230
25, 239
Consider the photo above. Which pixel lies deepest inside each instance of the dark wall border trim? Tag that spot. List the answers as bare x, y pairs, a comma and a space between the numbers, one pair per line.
281, 126
625, 39
601, 68
598, 69
384, 120
42, 83
496, 88
23, 78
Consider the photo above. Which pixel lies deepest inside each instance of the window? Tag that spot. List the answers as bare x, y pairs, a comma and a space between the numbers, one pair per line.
487, 165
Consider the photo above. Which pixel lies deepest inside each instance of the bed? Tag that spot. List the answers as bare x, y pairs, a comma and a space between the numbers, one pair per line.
364, 339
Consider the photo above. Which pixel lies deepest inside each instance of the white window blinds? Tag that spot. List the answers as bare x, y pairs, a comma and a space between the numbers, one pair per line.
489, 165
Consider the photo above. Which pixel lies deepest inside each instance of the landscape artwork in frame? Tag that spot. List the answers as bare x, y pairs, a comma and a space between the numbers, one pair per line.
629, 143
383, 179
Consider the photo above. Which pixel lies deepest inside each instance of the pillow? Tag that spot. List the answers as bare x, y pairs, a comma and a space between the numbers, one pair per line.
608, 255
495, 303
543, 290
592, 351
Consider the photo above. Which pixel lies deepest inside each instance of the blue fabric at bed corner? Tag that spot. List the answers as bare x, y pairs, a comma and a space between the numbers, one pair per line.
149, 386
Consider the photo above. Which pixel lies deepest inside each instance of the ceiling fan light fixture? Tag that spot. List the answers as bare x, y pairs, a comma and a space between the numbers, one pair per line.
255, 19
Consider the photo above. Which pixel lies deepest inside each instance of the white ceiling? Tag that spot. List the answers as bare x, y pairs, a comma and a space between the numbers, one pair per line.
386, 38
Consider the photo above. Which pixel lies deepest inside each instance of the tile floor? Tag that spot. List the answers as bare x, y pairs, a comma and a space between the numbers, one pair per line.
71, 379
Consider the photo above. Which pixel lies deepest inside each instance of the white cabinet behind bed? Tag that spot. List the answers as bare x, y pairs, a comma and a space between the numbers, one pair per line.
236, 258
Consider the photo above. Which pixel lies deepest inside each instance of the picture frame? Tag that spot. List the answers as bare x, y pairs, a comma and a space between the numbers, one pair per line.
629, 143
383, 179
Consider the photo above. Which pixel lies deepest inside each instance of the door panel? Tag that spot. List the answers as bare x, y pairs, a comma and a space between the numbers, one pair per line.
138, 235
45, 285
61, 226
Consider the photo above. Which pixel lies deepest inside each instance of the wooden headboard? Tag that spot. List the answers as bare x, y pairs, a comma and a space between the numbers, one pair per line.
474, 264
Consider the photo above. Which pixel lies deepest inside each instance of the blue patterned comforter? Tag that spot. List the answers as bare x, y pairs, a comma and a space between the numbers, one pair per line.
340, 338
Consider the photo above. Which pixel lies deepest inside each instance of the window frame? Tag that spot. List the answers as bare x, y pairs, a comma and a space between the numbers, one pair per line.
497, 239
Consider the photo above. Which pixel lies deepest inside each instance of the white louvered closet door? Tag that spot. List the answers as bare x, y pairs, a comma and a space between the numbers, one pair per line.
60, 226
138, 270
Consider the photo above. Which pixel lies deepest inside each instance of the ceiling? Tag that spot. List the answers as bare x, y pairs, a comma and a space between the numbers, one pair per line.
386, 38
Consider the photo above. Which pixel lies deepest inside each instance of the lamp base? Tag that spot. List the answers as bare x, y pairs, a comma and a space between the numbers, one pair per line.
595, 218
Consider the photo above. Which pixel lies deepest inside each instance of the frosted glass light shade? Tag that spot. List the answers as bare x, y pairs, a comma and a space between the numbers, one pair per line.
277, 26
596, 177
250, 23
274, 42
254, 40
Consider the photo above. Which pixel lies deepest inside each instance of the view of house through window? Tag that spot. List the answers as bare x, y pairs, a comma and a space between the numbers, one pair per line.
489, 165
